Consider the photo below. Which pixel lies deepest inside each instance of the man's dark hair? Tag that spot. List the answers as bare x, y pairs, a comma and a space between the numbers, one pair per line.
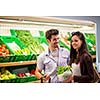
51, 32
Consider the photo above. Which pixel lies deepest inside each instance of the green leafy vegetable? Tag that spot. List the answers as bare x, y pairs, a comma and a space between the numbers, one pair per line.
62, 69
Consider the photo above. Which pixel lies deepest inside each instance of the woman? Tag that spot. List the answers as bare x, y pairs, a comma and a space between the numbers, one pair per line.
80, 60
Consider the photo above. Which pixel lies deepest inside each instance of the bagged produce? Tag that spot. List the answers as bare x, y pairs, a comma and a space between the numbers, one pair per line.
64, 72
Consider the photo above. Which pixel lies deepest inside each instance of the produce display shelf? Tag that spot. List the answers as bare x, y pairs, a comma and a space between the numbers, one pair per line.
12, 43
20, 79
18, 63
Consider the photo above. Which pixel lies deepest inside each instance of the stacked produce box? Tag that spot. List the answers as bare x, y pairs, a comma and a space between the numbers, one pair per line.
19, 51
11, 75
91, 42
12, 49
32, 44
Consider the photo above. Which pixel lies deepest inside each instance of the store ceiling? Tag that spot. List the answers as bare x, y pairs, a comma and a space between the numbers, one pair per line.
69, 23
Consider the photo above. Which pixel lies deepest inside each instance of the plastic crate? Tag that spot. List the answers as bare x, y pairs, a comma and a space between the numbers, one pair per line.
13, 33
18, 57
23, 80
32, 78
26, 79
5, 81
22, 57
34, 57
13, 80
9, 58
42, 34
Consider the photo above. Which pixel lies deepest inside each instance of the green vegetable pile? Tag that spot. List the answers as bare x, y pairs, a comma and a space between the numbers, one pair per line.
33, 44
62, 69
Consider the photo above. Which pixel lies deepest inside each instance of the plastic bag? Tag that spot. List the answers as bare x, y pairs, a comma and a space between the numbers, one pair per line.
65, 75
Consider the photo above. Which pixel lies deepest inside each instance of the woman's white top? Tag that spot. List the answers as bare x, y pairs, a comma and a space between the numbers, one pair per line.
76, 69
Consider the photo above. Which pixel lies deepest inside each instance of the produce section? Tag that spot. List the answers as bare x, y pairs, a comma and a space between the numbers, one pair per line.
19, 49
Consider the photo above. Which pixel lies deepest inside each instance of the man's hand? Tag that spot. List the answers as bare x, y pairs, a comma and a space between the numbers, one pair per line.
46, 77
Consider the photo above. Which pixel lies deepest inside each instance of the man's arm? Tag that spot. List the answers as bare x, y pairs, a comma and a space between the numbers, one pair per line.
38, 73
40, 66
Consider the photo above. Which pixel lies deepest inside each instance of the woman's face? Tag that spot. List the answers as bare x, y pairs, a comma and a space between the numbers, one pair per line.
76, 42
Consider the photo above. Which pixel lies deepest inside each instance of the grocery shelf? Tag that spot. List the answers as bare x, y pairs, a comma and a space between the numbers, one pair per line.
8, 64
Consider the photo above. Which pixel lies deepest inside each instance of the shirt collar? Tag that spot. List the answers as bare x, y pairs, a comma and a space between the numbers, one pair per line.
48, 51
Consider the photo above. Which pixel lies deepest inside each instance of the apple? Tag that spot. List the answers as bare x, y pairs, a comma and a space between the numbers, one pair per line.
20, 75
23, 74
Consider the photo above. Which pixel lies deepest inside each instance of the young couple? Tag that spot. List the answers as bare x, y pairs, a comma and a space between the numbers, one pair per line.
79, 58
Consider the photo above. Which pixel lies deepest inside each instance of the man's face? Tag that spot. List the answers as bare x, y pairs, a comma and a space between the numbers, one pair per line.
54, 41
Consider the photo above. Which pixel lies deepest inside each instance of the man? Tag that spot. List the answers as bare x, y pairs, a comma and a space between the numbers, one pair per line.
50, 59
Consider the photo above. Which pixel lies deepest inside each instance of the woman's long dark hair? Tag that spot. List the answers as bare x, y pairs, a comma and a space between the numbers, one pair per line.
73, 54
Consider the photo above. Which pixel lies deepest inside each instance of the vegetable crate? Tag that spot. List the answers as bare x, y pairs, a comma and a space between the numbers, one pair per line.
91, 42
18, 49
31, 42
13, 80
26, 79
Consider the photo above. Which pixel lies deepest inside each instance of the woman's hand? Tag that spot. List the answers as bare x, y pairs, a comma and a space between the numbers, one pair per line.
69, 79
